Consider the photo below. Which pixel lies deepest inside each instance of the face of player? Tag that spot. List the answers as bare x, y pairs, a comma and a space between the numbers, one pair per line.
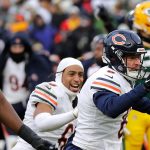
72, 78
133, 62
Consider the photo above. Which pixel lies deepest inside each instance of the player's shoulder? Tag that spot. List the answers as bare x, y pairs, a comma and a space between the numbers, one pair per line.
106, 78
47, 85
45, 93
105, 72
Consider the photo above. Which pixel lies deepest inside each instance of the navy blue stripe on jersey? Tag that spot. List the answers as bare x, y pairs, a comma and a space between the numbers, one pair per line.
98, 88
103, 79
113, 105
46, 92
44, 100
102, 83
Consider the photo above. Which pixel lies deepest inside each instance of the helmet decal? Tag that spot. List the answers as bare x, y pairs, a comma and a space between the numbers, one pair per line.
121, 38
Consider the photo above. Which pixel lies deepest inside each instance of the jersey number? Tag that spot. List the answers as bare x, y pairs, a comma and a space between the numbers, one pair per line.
14, 83
123, 124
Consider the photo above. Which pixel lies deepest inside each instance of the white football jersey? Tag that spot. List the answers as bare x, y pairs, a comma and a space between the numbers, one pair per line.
96, 131
53, 95
92, 69
14, 77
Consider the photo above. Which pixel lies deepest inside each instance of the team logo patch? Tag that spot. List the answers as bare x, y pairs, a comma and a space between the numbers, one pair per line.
119, 39
110, 76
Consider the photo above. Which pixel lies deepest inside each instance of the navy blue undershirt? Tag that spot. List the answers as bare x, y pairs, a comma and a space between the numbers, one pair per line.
113, 105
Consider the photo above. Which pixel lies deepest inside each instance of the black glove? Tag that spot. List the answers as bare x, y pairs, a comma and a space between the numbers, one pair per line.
32, 138
147, 83
43, 145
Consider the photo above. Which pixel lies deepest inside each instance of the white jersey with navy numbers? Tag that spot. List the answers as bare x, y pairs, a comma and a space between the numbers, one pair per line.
13, 82
96, 131
51, 94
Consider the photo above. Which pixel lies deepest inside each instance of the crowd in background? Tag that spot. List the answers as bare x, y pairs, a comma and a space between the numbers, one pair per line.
61, 27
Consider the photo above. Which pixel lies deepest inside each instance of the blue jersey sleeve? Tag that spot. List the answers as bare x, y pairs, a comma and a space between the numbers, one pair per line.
142, 105
113, 105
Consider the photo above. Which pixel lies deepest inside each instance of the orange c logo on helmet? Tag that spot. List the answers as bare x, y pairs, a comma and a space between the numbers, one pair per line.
114, 39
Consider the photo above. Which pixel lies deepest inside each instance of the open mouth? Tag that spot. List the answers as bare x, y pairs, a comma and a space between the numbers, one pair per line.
74, 88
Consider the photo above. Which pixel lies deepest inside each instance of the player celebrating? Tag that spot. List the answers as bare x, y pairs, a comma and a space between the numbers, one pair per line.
50, 110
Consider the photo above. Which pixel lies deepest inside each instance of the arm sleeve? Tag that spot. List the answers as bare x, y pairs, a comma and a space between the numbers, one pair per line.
113, 105
48, 122
28, 135
32, 138
142, 105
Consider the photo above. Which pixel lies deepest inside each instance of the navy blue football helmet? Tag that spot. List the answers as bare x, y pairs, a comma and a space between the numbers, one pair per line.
119, 44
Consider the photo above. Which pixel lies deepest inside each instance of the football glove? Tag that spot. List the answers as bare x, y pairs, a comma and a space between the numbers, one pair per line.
32, 138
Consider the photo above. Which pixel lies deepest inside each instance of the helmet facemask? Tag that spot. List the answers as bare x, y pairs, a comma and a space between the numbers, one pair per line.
119, 62
132, 73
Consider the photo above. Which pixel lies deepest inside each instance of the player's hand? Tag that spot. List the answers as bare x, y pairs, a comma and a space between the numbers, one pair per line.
44, 145
32, 138
147, 83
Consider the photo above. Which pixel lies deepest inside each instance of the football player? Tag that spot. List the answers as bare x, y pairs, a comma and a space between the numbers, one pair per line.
139, 123
108, 95
50, 110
